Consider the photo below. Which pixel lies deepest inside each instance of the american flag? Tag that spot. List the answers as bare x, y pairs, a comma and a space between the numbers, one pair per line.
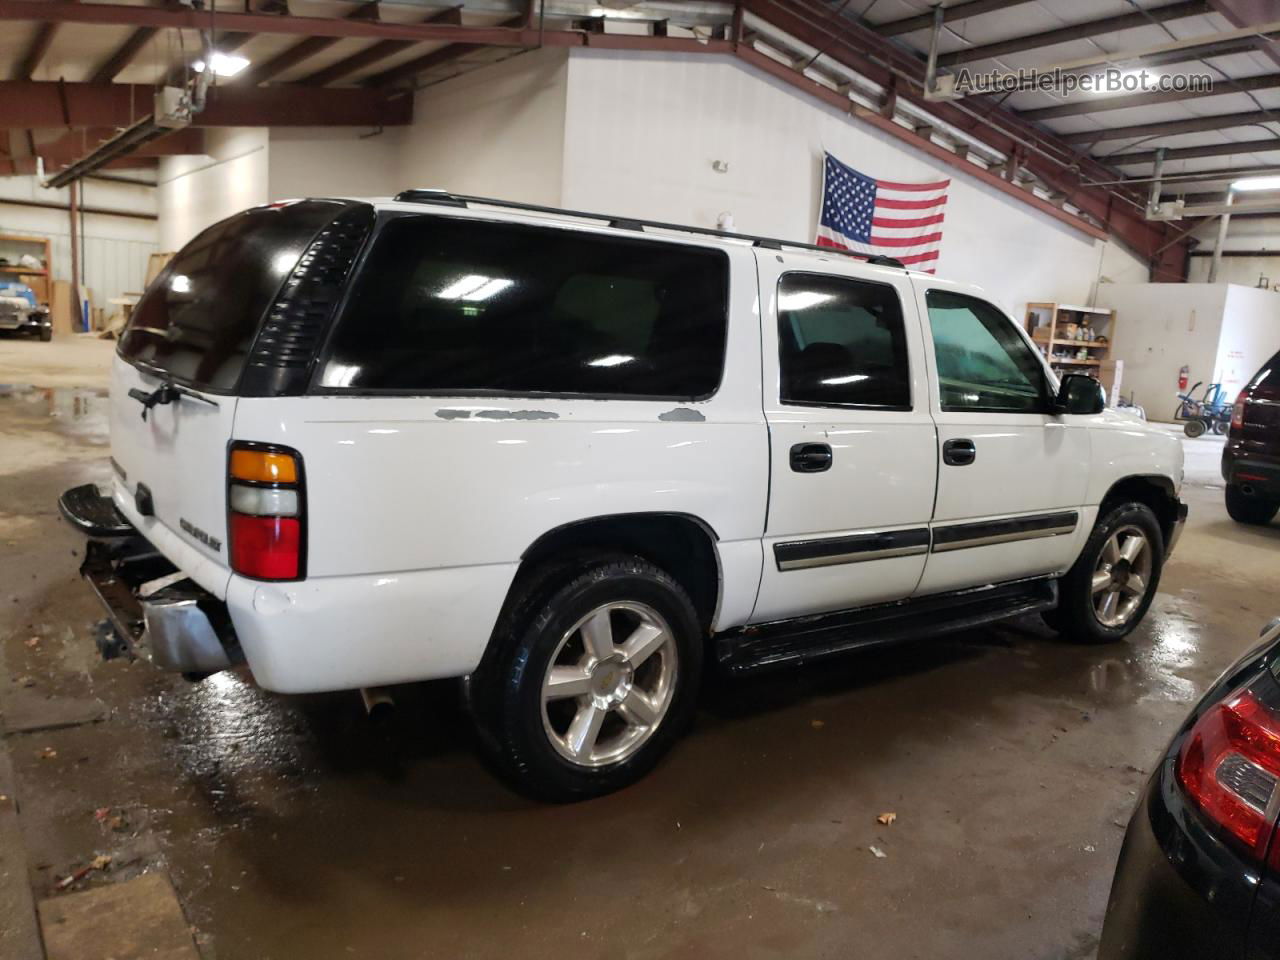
900, 220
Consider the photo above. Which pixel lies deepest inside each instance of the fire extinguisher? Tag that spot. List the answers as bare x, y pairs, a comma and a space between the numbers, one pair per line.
1183, 375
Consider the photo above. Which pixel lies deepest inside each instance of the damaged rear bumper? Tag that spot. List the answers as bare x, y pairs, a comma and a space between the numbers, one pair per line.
155, 610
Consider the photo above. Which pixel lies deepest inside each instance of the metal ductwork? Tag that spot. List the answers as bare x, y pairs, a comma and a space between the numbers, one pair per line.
173, 110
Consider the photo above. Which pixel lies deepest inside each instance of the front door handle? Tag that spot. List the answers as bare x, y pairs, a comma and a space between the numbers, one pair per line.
959, 453
810, 457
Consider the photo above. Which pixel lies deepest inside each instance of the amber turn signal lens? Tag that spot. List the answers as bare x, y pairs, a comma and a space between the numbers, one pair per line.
263, 466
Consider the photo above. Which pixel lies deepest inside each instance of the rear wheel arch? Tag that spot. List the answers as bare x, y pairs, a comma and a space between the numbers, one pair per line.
681, 544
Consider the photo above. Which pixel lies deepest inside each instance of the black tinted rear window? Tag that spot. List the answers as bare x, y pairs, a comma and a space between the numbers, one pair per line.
1266, 382
198, 319
445, 305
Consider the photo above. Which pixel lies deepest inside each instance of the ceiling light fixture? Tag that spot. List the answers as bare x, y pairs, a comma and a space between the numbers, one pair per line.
224, 65
1257, 183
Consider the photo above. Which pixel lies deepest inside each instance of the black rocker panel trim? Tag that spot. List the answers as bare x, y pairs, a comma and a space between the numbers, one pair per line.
857, 548
961, 536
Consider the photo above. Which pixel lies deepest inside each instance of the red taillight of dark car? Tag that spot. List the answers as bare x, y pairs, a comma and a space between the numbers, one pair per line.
1238, 408
1229, 765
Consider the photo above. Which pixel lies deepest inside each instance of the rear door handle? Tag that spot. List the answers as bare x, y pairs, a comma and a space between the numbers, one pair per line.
959, 453
810, 457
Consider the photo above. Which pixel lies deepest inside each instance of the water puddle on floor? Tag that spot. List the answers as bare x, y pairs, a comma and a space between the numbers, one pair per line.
34, 417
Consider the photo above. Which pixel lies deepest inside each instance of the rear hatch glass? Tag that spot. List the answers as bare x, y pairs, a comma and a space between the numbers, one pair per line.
196, 326
1261, 429
199, 318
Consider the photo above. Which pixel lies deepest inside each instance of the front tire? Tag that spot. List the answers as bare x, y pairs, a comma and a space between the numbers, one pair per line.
45, 334
1195, 428
591, 677
1108, 590
1247, 508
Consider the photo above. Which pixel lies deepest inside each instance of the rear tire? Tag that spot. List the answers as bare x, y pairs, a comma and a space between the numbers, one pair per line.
591, 676
46, 335
1194, 428
1108, 590
1247, 508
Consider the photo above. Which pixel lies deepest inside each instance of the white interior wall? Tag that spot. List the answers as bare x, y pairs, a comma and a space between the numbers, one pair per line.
1159, 327
643, 129
496, 131
334, 162
1245, 271
195, 192
1249, 233
115, 248
1250, 335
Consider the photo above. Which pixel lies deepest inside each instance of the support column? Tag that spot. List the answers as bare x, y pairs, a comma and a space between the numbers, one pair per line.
77, 311
1222, 239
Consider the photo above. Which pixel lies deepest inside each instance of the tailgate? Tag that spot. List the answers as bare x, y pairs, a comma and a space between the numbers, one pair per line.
238, 311
178, 456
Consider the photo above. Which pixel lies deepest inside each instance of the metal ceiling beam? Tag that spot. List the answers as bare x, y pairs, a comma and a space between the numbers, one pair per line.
1170, 128
300, 51
378, 51
26, 166
1246, 13
1093, 105
1217, 208
942, 154
74, 144
1194, 153
35, 53
1209, 50
124, 55
1171, 51
445, 54
1078, 31
1045, 154
1216, 196
1224, 174
958, 11
30, 104
249, 24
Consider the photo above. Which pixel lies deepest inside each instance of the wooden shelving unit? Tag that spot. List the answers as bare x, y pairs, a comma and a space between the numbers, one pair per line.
12, 246
1073, 339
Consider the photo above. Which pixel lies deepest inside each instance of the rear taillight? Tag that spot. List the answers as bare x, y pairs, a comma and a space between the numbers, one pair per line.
265, 511
1237, 414
1229, 765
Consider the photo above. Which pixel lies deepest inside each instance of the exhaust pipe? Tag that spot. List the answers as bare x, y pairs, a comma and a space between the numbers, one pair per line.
1246, 489
378, 702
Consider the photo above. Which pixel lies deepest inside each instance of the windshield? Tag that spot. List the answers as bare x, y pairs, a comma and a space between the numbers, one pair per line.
198, 319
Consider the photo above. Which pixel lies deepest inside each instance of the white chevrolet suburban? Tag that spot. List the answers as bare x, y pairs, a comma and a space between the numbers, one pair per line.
572, 458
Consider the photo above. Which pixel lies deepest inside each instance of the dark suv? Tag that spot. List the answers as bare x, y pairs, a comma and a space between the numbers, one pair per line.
1251, 458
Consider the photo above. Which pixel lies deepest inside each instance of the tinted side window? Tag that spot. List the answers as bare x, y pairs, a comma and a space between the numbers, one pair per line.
983, 364
445, 305
841, 342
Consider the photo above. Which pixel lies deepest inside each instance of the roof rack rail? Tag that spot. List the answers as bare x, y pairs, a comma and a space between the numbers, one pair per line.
879, 259
447, 199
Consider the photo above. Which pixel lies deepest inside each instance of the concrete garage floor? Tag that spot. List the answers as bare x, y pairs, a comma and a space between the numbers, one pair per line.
294, 827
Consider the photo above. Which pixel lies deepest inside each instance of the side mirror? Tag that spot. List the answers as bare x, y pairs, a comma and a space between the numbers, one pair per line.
1080, 394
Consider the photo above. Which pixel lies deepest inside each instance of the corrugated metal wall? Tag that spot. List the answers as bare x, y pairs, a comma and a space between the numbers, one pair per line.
115, 248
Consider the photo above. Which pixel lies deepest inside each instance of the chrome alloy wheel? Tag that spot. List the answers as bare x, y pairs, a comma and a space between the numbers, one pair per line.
609, 684
1122, 576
